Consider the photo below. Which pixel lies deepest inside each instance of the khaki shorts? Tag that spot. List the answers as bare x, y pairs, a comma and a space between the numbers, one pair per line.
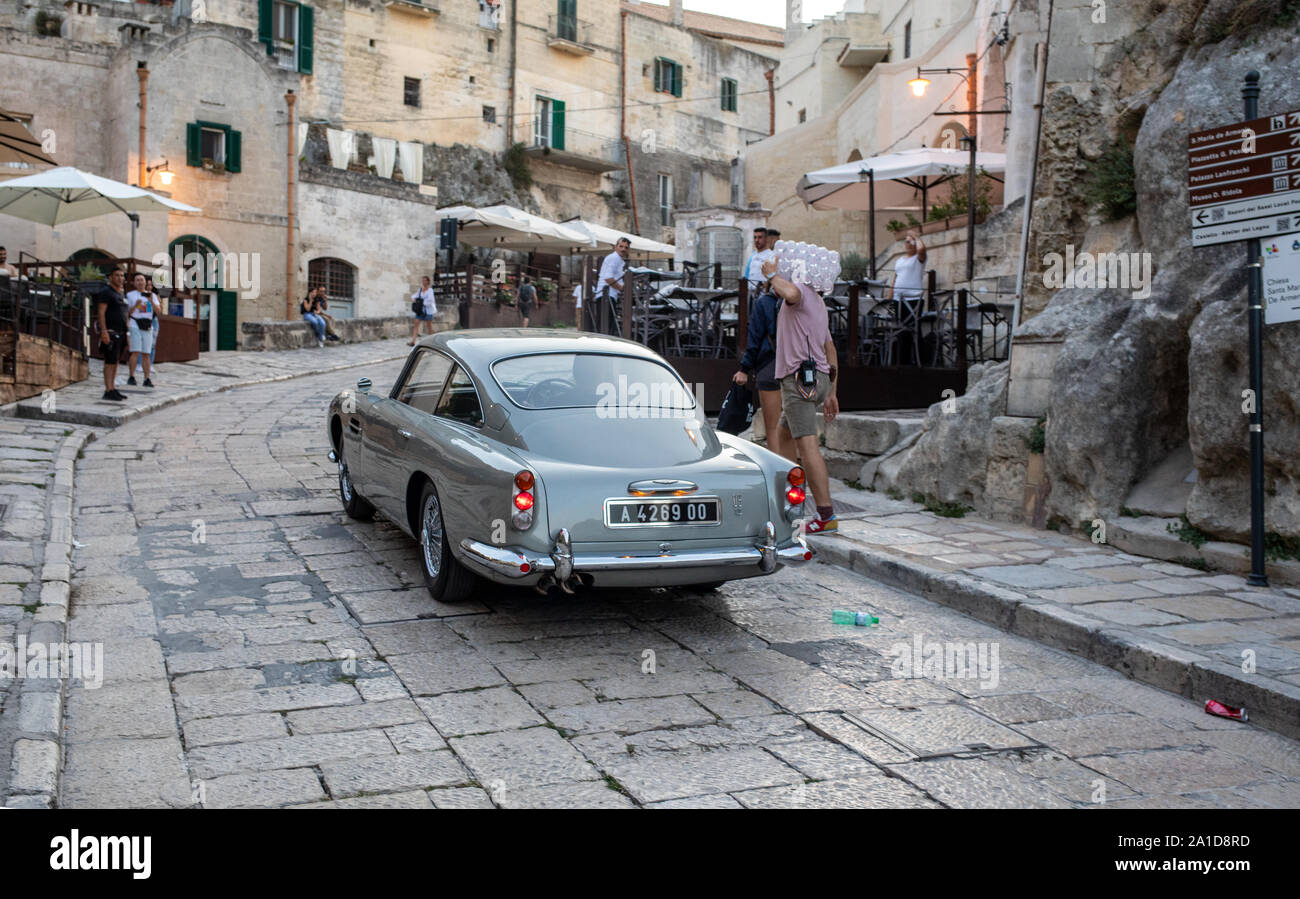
798, 415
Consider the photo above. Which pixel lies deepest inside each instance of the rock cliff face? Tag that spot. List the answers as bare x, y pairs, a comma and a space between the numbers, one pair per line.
1137, 377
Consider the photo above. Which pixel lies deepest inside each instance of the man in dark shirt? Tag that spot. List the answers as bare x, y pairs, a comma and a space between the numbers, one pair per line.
110, 313
527, 299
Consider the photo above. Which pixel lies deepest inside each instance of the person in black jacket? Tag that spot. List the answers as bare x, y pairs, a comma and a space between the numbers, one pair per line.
758, 364
111, 316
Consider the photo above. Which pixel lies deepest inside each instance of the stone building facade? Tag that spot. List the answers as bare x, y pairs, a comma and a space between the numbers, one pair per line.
399, 106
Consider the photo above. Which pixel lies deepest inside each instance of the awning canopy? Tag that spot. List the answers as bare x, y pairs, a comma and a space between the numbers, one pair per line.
509, 228
66, 194
847, 186
17, 144
605, 239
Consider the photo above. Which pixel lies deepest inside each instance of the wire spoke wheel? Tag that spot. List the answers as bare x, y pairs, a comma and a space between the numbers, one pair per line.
431, 535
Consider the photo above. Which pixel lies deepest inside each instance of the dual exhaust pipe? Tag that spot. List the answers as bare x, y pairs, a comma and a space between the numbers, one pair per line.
569, 585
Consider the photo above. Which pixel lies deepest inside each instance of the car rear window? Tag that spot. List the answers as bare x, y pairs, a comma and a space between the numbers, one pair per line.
580, 380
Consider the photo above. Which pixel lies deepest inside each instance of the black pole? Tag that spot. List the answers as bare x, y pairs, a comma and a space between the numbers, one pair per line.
871, 180
1255, 315
970, 215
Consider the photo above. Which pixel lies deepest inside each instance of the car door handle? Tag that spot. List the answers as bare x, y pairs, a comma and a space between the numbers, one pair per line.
406, 434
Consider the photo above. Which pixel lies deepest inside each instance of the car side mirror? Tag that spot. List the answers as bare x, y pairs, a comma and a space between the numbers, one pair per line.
363, 385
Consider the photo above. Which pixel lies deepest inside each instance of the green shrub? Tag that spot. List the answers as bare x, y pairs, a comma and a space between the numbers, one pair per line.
1188, 532
1278, 548
854, 267
1110, 181
1037, 439
515, 162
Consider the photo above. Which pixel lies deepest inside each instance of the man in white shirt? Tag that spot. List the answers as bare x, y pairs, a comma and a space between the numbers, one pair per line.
612, 269
764, 240
426, 309
611, 274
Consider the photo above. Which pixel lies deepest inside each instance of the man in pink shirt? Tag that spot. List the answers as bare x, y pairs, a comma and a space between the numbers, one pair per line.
806, 369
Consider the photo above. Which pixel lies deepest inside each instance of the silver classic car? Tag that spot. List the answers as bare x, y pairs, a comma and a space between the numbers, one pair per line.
560, 460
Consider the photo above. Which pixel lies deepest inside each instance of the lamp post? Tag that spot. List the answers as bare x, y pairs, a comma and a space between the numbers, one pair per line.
968, 74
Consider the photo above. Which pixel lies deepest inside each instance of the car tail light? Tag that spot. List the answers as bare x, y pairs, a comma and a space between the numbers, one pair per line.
523, 501
795, 496
795, 477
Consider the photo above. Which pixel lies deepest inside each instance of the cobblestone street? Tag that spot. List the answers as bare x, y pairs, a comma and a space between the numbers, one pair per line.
262, 649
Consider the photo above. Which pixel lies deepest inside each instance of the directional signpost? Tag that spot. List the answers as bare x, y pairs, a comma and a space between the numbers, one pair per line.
1282, 280
1243, 182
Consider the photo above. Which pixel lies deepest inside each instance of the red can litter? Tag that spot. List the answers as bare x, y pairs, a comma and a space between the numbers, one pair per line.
1214, 707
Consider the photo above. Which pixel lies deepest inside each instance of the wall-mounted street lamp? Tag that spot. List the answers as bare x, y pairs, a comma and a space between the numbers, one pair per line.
968, 75
165, 174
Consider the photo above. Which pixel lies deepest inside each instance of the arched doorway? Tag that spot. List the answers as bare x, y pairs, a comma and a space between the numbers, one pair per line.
339, 278
197, 275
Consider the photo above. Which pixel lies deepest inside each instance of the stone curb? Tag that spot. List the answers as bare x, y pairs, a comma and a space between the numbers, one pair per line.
1272, 704
37, 757
25, 409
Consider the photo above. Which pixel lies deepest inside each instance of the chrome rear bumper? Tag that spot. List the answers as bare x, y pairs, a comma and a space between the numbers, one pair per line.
562, 562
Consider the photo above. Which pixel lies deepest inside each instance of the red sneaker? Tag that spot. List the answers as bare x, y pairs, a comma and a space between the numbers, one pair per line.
821, 525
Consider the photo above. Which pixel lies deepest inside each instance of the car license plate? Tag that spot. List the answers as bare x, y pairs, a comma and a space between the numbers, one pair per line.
640, 513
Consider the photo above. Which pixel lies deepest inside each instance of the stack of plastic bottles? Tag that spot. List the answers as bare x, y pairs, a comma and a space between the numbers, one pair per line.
808, 264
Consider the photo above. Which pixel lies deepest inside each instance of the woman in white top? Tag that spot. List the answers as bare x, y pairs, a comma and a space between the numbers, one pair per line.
423, 307
139, 330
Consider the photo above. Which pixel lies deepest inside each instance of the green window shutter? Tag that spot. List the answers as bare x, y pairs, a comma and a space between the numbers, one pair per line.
193, 151
265, 26
677, 80
305, 16
659, 75
233, 154
557, 124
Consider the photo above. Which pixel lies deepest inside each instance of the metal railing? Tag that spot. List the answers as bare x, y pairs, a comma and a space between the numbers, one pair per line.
568, 28
43, 302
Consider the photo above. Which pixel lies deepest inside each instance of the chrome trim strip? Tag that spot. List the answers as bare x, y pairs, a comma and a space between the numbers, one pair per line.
662, 487
501, 559
506, 561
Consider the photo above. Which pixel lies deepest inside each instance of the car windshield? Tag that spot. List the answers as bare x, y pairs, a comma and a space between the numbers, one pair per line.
619, 384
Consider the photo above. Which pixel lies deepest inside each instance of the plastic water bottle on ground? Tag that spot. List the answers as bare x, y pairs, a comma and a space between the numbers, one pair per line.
858, 619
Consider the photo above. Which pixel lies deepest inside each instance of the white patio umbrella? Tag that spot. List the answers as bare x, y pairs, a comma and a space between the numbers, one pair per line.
848, 186
852, 185
66, 194
509, 228
605, 239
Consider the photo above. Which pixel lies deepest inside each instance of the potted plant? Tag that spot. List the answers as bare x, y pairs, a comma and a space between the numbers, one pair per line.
545, 290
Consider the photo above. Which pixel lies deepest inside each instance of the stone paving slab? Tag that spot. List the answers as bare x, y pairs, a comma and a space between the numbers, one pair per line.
1174, 626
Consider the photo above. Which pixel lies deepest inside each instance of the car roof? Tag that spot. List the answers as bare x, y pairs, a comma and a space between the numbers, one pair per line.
481, 347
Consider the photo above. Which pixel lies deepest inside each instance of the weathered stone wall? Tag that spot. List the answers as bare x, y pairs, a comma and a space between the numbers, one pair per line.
289, 335
1130, 378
